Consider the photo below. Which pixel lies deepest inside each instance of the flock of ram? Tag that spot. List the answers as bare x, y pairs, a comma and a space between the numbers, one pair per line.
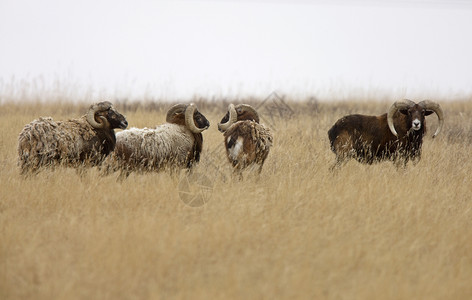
177, 144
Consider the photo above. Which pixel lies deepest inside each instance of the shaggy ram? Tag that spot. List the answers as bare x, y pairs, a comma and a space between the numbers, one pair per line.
396, 135
79, 142
174, 145
246, 141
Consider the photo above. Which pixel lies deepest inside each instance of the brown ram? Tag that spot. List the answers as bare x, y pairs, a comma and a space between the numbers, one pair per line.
246, 141
396, 135
79, 142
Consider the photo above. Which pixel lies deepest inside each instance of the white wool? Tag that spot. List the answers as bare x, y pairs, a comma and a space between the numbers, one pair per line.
236, 149
166, 144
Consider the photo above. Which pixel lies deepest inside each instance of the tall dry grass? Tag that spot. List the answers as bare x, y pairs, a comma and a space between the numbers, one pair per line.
297, 231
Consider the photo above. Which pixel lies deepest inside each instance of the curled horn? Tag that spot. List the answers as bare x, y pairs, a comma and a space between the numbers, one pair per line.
189, 121
393, 109
433, 106
178, 108
90, 116
246, 107
233, 117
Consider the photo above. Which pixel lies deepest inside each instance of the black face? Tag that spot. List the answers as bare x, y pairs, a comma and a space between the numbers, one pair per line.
115, 119
200, 120
223, 121
225, 118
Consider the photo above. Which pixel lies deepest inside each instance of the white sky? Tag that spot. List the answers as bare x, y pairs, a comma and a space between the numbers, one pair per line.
172, 49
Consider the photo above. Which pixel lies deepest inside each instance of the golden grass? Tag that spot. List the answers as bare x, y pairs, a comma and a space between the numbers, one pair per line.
298, 231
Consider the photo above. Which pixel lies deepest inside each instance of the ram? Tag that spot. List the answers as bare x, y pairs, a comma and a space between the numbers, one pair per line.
174, 145
85, 141
396, 135
246, 141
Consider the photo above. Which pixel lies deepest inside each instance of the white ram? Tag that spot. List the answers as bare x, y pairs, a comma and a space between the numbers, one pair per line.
174, 145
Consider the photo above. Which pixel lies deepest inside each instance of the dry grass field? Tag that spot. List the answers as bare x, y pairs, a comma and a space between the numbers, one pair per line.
297, 231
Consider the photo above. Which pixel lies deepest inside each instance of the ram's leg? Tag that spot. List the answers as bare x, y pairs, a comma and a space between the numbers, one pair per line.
124, 173
81, 170
340, 161
261, 165
238, 172
400, 162
344, 152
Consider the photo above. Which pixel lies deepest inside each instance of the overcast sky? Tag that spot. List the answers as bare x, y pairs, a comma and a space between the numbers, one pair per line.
175, 49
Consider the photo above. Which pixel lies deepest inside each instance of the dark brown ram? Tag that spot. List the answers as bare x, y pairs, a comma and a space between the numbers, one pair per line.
396, 135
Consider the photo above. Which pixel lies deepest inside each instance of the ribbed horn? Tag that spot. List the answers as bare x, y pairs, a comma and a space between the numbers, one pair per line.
189, 120
433, 106
90, 116
233, 117
177, 108
393, 109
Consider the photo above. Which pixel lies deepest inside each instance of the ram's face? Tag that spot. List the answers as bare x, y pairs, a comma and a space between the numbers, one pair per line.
225, 118
115, 119
200, 120
416, 115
